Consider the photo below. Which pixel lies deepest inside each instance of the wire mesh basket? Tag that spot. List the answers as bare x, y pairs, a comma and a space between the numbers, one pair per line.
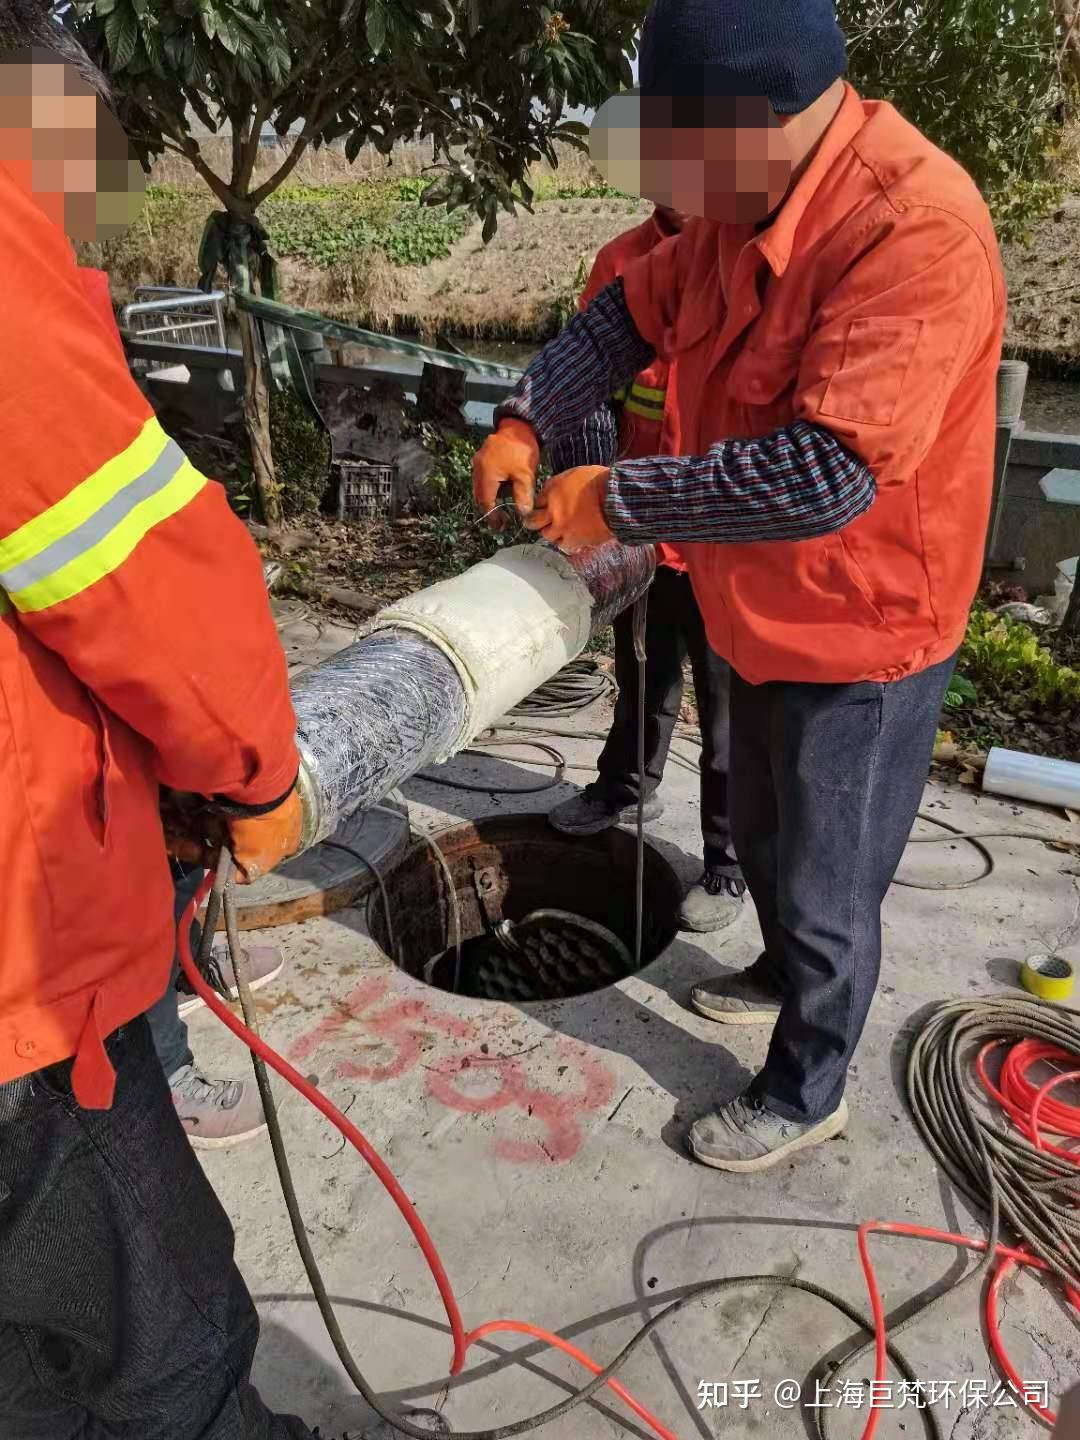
366, 490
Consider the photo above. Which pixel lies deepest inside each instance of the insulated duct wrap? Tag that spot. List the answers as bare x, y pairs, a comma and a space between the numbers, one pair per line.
442, 665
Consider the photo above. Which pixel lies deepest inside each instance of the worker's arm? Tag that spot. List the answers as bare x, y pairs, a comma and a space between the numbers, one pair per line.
598, 353
798, 483
572, 377
886, 351
597, 442
118, 555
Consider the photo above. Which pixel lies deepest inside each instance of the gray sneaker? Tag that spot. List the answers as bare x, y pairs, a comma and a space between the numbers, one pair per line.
715, 901
264, 963
745, 1135
740, 998
216, 1113
590, 812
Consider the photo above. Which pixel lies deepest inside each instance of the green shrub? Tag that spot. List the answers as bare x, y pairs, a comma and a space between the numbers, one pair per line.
301, 455
1004, 658
326, 225
459, 534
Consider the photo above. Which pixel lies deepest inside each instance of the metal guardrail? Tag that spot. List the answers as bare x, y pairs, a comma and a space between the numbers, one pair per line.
161, 355
172, 315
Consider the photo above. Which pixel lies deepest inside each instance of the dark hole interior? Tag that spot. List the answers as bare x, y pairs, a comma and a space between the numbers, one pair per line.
506, 869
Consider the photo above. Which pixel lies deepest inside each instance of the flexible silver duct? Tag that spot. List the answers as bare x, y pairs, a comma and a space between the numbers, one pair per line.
435, 669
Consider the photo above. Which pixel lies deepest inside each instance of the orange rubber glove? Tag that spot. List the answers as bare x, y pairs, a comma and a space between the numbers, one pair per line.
508, 456
260, 843
195, 831
570, 510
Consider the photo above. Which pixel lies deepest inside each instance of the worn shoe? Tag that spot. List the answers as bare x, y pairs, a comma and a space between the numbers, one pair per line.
714, 902
745, 1135
591, 812
264, 963
738, 999
216, 1113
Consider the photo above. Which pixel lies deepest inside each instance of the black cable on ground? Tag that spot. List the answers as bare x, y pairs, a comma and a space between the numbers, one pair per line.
326, 1309
992, 1162
491, 741
576, 687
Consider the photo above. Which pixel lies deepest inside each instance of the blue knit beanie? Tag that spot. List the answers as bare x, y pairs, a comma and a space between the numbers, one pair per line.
789, 50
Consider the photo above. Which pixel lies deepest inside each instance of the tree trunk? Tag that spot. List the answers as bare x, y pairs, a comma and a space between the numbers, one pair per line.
1069, 24
1071, 624
257, 420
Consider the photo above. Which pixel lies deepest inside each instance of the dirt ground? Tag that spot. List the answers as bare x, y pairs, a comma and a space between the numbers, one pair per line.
509, 288
1044, 286
1052, 405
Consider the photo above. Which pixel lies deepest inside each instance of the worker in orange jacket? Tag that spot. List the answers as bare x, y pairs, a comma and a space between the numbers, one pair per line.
137, 650
632, 427
833, 315
217, 1114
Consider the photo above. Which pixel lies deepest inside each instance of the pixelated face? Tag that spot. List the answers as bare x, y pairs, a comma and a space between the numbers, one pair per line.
66, 148
724, 158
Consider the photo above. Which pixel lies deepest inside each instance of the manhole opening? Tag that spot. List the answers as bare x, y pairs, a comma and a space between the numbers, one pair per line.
543, 916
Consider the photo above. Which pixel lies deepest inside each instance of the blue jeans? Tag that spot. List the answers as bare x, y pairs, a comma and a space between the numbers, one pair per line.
123, 1315
170, 1034
826, 781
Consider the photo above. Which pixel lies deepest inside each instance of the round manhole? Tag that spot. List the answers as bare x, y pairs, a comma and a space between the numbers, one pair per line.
542, 916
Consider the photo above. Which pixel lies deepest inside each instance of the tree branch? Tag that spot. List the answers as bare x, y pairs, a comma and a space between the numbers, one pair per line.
314, 122
250, 153
189, 148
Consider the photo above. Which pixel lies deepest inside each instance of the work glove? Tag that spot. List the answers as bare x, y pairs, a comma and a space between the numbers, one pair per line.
196, 829
509, 456
569, 512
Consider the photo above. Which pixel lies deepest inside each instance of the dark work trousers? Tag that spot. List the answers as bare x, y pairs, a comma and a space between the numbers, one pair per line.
170, 1034
674, 632
827, 780
122, 1313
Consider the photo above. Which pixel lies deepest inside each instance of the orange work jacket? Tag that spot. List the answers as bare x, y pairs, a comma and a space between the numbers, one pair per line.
873, 305
137, 648
641, 405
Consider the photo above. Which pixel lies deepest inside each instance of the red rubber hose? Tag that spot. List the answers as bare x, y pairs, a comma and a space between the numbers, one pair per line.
1024, 1102
1008, 1256
374, 1160
1021, 1100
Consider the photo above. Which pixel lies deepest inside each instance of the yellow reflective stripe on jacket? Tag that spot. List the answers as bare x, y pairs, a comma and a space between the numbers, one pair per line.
5, 603
96, 526
645, 392
646, 402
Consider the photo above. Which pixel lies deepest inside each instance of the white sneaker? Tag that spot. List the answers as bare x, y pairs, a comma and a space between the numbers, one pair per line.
216, 1113
264, 963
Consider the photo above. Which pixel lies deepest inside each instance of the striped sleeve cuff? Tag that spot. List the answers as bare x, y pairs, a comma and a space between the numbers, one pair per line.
796, 484
581, 369
596, 443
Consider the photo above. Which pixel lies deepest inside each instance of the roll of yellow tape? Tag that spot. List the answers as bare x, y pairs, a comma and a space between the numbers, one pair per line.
1048, 977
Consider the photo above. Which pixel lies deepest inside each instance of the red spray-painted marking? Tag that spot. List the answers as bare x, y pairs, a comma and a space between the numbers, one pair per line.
409, 1025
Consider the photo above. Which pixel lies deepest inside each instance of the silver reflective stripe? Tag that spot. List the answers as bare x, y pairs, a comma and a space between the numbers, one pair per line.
95, 528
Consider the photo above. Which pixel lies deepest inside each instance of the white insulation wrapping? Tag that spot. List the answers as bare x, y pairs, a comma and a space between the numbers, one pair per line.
437, 668
506, 625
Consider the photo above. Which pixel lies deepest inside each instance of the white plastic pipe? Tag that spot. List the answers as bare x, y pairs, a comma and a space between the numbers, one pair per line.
1032, 777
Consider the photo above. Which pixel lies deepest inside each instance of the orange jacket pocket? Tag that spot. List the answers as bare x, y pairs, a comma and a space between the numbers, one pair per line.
877, 357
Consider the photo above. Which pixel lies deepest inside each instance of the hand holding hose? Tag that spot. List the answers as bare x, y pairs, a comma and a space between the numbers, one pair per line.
196, 832
509, 456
